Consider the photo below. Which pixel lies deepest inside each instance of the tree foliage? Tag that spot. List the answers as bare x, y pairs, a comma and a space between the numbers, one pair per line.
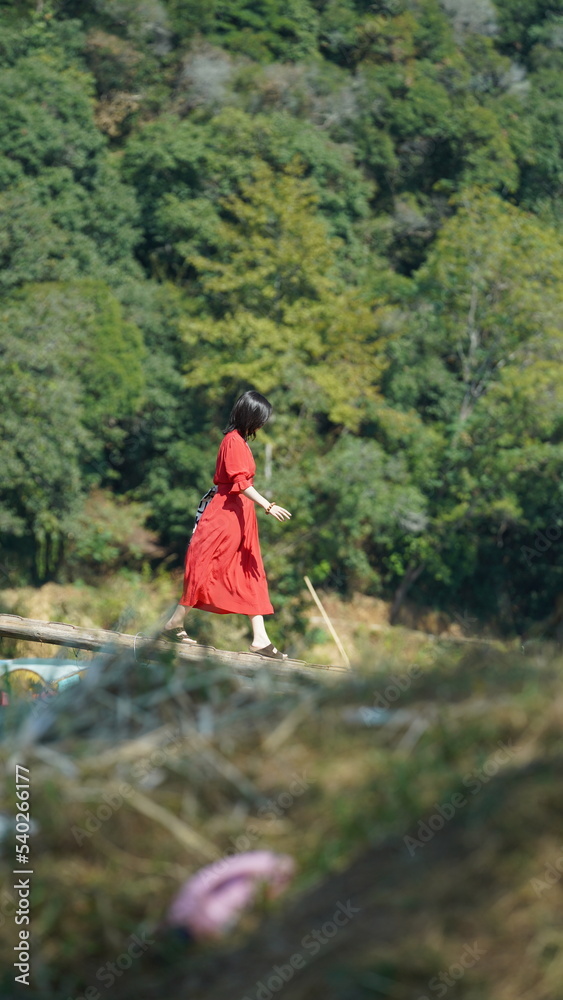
279, 316
71, 369
352, 206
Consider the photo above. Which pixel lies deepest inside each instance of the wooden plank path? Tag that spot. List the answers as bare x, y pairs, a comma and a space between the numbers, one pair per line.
94, 639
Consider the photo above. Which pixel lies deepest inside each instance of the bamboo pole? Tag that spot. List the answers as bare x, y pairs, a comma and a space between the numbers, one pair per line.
328, 622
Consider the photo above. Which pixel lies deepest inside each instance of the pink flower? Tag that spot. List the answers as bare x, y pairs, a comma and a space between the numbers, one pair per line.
211, 901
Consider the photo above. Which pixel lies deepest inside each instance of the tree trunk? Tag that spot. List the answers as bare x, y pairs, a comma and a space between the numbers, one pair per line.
412, 574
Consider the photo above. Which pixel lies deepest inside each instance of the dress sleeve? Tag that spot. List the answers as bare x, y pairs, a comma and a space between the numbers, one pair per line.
239, 464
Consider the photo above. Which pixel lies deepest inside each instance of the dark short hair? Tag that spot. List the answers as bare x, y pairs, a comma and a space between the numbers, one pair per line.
250, 412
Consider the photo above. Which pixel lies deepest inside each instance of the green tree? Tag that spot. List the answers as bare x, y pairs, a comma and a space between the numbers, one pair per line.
277, 314
181, 170
495, 278
83, 324
267, 29
536, 129
168, 456
522, 22
65, 212
426, 123
491, 296
71, 374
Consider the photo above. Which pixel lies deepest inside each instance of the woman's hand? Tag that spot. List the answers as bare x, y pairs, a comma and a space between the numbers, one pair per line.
280, 513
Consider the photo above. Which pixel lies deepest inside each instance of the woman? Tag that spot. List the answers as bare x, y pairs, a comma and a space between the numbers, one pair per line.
224, 572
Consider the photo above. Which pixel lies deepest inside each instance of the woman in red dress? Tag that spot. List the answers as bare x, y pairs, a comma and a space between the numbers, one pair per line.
224, 572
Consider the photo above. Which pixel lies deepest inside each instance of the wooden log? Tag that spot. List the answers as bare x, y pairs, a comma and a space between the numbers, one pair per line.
94, 639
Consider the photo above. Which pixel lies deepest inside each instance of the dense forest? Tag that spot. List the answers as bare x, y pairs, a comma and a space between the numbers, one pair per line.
353, 207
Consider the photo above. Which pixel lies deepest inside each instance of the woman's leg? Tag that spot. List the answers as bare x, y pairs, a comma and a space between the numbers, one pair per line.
259, 635
176, 620
261, 641
174, 629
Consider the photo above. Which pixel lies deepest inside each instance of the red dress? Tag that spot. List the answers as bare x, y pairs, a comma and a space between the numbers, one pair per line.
224, 571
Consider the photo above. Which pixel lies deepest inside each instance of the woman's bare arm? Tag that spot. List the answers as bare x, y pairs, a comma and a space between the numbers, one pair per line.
280, 513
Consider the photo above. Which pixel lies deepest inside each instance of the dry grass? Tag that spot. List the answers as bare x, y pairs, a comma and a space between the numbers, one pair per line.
210, 760
126, 602
133, 603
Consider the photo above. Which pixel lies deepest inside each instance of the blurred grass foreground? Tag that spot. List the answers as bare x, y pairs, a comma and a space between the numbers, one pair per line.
420, 798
